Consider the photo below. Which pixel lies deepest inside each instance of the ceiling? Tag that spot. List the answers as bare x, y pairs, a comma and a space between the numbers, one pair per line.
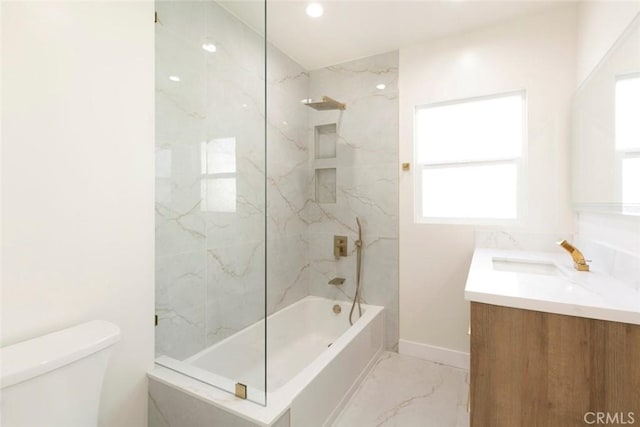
352, 29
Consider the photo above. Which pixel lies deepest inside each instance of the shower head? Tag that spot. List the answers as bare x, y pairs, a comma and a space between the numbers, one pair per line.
326, 104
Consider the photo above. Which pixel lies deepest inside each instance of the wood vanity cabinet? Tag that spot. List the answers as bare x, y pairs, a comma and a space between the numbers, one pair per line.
530, 368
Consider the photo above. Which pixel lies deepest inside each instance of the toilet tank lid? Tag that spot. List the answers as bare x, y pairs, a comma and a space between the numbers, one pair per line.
22, 361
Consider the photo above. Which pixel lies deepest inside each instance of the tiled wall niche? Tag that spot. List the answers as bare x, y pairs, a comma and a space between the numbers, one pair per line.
326, 137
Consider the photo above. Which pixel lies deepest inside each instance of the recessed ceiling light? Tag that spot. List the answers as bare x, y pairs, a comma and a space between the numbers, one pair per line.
244, 105
381, 86
174, 78
209, 47
315, 10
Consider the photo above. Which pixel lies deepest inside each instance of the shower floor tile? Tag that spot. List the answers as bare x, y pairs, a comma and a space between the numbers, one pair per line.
405, 391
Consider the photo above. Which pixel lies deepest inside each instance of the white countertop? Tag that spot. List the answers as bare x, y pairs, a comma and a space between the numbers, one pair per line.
575, 293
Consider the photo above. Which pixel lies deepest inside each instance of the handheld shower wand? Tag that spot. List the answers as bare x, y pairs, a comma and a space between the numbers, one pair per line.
356, 297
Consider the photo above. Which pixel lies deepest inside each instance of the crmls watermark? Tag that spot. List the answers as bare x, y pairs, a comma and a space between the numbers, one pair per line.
611, 418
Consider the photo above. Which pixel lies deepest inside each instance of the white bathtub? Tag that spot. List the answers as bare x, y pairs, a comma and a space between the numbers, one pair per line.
315, 359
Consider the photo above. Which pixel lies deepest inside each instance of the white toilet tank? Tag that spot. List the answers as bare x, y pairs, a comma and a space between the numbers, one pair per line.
55, 380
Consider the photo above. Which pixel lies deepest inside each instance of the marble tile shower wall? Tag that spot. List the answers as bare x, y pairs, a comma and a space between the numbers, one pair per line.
366, 184
210, 190
287, 181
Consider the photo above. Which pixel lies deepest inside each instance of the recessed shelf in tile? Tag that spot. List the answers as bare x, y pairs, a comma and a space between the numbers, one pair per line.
326, 185
325, 137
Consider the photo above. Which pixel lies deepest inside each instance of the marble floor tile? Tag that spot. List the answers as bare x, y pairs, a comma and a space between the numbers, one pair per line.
405, 391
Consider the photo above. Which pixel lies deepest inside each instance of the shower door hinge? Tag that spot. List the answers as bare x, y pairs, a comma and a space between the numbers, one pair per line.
155, 17
241, 391
155, 320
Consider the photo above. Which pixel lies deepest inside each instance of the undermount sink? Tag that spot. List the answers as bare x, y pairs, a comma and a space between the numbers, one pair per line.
515, 265
546, 282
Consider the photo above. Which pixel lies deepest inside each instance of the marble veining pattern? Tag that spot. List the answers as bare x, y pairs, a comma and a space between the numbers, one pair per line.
366, 184
210, 266
287, 182
180, 292
210, 262
405, 391
522, 241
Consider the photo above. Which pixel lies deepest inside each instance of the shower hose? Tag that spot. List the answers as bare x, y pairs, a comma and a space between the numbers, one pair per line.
356, 297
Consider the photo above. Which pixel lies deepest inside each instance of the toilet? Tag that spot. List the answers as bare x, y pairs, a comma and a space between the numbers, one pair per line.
56, 379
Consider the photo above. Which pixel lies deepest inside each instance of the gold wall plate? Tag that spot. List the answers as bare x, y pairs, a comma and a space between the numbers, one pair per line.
339, 246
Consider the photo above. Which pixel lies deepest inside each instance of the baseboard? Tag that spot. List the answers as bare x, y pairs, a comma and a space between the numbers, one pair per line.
455, 358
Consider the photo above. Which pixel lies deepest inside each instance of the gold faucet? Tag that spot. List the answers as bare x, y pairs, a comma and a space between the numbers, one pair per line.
579, 262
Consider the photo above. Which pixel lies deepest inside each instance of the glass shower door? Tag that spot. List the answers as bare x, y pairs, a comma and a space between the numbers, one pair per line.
210, 195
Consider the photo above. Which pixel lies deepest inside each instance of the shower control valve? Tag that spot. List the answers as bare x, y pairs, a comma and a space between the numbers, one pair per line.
339, 246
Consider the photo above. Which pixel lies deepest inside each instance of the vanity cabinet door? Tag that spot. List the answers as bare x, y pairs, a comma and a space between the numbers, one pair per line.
530, 368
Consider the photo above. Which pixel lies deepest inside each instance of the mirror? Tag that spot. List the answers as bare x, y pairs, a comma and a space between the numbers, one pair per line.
606, 131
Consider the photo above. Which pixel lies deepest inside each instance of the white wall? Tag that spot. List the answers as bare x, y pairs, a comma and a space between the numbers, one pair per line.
77, 181
600, 23
599, 26
536, 53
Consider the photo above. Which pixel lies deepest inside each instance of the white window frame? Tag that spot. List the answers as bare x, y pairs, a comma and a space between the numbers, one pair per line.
519, 161
621, 154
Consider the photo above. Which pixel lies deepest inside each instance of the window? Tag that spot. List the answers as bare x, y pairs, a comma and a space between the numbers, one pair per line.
627, 136
469, 159
218, 175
